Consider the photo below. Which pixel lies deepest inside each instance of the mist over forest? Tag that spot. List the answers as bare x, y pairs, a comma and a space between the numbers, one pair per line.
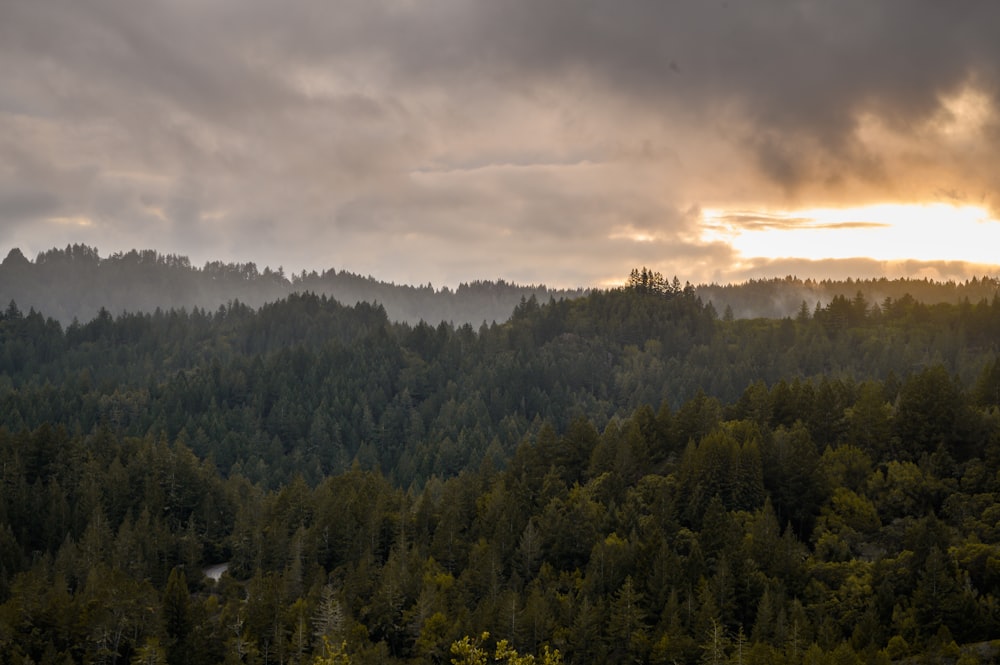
75, 283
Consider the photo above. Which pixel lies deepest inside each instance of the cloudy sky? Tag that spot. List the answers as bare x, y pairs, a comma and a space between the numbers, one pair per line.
551, 141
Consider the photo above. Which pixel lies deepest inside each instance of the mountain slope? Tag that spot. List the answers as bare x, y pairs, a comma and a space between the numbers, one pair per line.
76, 283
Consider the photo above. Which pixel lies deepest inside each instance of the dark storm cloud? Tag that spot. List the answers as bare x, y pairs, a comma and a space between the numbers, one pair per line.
431, 139
799, 74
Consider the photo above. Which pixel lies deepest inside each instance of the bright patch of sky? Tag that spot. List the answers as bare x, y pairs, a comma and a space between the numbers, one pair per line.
887, 232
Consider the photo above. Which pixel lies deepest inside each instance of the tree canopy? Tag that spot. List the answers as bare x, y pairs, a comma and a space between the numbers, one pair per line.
620, 477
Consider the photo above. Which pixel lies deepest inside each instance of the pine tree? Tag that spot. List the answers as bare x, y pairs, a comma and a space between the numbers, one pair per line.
627, 622
177, 616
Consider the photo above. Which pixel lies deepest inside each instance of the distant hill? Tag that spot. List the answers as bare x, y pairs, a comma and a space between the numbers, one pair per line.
784, 297
76, 283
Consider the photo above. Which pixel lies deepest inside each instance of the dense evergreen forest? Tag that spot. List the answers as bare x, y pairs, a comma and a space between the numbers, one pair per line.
627, 476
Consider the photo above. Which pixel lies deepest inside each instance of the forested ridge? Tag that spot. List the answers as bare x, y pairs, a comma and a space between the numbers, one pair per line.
75, 283
623, 477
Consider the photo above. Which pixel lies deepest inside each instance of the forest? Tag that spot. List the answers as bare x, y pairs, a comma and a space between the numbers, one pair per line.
624, 476
76, 282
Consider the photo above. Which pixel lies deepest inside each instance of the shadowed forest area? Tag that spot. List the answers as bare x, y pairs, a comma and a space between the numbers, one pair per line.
629, 475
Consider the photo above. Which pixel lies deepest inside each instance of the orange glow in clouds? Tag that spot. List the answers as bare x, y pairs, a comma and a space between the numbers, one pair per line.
885, 232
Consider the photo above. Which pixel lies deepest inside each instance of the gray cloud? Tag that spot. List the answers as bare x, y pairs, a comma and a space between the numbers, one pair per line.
441, 141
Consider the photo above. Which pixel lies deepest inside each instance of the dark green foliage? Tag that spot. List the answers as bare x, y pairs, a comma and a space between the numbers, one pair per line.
177, 616
623, 476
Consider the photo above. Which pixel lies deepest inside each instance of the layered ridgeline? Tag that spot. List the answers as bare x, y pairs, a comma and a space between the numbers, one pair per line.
76, 283
309, 386
625, 477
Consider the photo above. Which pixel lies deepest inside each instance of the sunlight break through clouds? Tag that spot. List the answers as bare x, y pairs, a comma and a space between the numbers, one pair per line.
885, 232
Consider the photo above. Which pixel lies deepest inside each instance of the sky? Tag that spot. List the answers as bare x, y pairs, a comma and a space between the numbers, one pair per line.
540, 141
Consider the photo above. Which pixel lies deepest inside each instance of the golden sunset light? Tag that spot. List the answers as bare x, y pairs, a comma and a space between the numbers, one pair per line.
886, 232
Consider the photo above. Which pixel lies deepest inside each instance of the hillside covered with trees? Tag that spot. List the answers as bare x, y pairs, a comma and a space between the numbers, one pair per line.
75, 283
781, 297
627, 476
